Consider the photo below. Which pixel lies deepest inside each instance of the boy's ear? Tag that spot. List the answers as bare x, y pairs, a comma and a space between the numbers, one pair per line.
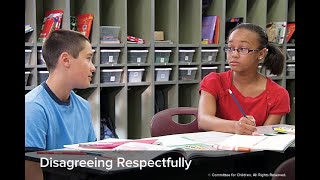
65, 59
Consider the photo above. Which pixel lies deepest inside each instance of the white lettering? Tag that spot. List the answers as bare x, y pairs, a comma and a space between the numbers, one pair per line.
121, 161
188, 164
42, 159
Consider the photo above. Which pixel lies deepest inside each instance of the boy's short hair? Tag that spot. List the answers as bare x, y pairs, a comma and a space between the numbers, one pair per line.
60, 41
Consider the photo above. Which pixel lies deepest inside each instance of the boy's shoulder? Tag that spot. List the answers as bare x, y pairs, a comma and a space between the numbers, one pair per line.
78, 97
34, 94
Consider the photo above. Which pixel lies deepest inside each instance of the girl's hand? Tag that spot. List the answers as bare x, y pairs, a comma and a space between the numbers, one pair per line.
245, 126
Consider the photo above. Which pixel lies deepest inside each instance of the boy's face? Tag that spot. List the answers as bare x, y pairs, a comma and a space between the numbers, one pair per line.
82, 69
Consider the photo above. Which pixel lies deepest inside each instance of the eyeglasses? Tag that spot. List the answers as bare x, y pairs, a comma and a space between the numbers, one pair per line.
242, 51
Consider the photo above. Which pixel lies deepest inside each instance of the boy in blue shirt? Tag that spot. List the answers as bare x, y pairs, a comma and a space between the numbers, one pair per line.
54, 114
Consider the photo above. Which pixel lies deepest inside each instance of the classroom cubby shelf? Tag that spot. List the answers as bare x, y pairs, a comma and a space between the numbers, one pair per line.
131, 105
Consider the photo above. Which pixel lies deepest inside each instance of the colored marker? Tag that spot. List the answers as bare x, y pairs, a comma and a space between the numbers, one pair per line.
232, 148
101, 146
62, 152
69, 153
265, 134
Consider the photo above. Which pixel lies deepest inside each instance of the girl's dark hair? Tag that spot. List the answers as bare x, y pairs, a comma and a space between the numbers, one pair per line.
275, 57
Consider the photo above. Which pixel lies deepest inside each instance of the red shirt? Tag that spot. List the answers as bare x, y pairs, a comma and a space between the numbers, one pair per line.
274, 100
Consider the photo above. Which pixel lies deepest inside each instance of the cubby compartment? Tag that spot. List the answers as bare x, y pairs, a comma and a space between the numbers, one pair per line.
139, 18
291, 54
205, 70
42, 76
109, 34
162, 74
291, 86
209, 55
166, 19
40, 59
162, 56
135, 75
111, 75
113, 105
87, 18
187, 73
227, 68
165, 97
27, 56
137, 56
291, 70
27, 74
186, 55
113, 13
94, 57
189, 21
188, 98
139, 104
109, 56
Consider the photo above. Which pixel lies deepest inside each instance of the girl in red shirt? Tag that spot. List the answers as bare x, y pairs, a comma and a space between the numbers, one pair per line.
262, 99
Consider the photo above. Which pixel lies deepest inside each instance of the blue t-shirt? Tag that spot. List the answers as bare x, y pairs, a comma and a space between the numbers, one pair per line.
51, 123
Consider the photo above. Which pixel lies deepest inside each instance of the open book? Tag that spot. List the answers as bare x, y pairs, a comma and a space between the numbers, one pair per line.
153, 148
193, 145
139, 150
135, 150
107, 144
198, 144
132, 154
180, 148
257, 143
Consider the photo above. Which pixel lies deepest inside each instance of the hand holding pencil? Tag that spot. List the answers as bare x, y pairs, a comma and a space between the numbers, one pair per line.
245, 125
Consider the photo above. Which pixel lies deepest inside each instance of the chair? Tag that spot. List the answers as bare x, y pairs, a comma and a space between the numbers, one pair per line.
286, 168
163, 124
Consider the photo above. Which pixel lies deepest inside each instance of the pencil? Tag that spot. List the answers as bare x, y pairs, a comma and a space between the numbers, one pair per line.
238, 104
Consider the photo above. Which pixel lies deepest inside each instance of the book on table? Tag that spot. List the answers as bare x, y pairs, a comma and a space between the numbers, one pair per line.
143, 149
266, 138
189, 145
257, 143
178, 147
199, 144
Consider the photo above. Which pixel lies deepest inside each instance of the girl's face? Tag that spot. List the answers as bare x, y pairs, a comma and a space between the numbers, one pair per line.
243, 50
